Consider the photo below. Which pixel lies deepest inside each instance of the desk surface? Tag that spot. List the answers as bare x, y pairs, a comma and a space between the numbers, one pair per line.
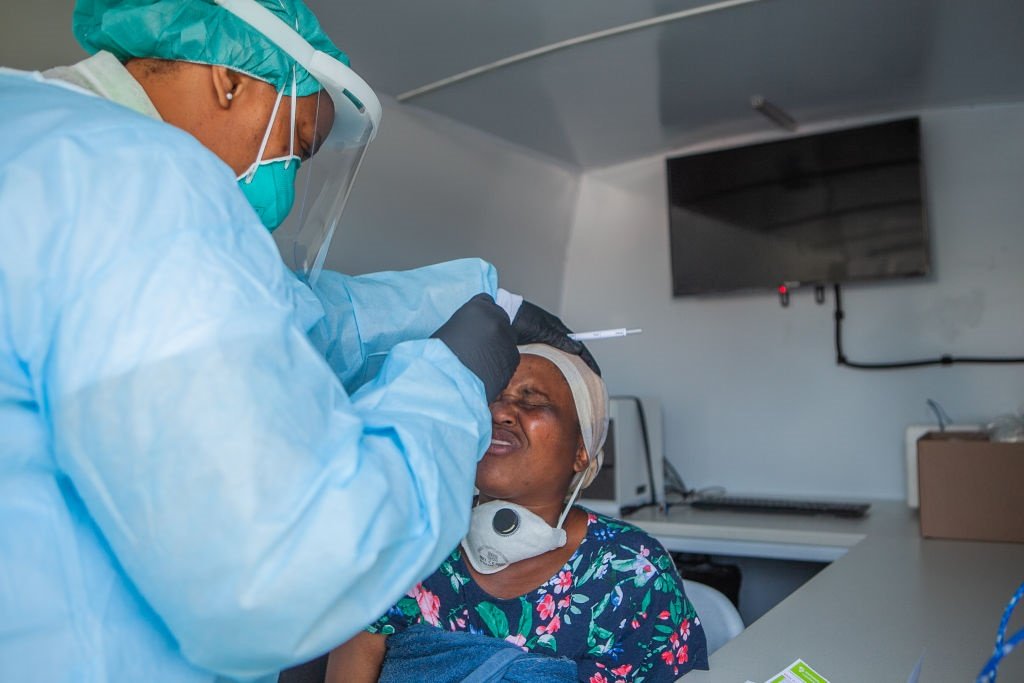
870, 615
819, 538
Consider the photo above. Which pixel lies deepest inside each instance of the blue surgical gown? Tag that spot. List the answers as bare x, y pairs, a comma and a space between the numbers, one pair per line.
199, 476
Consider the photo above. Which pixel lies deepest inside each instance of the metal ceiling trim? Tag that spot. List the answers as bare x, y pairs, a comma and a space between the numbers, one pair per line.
572, 42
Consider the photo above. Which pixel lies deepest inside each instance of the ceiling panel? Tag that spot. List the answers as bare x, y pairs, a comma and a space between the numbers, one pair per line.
643, 92
397, 45
656, 89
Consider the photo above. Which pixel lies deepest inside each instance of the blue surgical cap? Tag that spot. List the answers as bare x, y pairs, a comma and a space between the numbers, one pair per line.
200, 31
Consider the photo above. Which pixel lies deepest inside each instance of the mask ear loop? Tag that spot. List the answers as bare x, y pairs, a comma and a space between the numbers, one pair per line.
291, 138
266, 137
572, 498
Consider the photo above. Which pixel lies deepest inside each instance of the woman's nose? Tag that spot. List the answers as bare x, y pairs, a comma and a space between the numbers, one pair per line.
503, 412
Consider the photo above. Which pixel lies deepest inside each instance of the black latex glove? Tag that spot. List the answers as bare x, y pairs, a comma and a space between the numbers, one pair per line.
534, 325
481, 338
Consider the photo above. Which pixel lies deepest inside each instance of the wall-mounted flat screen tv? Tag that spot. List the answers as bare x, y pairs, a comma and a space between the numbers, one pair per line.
835, 207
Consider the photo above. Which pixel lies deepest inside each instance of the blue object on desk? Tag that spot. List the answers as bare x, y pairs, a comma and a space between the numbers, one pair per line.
1003, 647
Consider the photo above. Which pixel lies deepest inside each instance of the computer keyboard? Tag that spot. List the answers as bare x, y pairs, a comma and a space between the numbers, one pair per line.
800, 507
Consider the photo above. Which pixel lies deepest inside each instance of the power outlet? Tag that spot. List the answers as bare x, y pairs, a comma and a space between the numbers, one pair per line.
915, 432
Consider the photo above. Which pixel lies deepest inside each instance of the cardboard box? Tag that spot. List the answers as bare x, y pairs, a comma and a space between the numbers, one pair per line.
970, 488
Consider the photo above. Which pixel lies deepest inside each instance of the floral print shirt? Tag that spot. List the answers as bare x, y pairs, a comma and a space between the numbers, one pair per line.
617, 608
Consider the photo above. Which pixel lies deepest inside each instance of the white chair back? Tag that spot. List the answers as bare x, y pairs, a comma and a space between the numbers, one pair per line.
718, 616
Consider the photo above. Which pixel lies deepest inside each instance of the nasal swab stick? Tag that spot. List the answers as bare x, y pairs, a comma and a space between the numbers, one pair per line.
604, 334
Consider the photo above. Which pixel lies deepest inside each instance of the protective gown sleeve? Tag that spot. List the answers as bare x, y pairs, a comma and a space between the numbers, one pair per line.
263, 513
366, 315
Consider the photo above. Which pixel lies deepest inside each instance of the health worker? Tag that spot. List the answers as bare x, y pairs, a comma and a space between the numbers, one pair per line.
215, 463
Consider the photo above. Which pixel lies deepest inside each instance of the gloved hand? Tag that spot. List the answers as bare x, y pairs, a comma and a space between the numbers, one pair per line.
534, 325
481, 338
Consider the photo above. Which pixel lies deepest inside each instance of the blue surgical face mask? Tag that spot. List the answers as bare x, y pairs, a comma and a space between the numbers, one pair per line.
269, 184
270, 188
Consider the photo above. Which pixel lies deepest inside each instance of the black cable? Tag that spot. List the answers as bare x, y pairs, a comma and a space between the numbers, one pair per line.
673, 481
841, 358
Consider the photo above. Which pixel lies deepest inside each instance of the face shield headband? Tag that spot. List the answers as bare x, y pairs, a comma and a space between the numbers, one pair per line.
324, 182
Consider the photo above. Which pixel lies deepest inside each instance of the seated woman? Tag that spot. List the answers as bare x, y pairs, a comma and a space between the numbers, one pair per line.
541, 573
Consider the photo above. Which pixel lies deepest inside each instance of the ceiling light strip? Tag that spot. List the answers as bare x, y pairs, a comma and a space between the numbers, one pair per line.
588, 38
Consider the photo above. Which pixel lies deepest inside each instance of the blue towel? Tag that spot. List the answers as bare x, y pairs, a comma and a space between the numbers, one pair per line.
426, 653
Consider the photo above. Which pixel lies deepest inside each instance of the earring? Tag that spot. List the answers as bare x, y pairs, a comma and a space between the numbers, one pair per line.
230, 96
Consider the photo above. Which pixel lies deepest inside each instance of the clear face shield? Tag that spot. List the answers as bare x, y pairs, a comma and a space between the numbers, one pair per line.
324, 182
321, 192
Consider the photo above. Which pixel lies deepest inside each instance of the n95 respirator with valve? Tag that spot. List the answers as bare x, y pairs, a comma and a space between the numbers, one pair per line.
503, 533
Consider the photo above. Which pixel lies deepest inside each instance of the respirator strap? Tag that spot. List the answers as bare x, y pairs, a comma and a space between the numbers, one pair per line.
568, 506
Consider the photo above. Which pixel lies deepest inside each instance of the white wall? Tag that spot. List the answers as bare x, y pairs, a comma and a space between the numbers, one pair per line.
36, 34
752, 397
431, 189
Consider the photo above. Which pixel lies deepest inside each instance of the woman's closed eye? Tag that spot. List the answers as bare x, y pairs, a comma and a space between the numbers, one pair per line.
533, 398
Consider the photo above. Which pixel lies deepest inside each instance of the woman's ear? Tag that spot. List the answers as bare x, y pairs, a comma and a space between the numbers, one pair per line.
227, 85
582, 459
